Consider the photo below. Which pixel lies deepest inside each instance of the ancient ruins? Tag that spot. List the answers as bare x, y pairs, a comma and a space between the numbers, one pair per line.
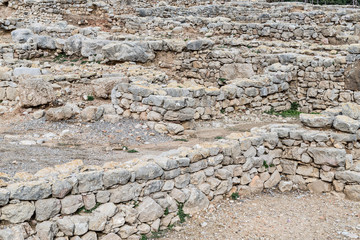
170, 67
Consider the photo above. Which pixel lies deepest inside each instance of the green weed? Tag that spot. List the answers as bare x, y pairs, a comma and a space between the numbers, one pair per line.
235, 195
132, 151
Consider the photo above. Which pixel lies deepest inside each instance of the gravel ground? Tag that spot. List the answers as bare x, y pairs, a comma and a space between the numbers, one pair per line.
296, 215
35, 144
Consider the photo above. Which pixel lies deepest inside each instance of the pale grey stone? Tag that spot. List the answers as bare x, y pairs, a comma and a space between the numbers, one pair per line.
17, 213
149, 171
285, 186
352, 192
89, 181
66, 225
149, 210
196, 202
110, 236
223, 174
21, 35
328, 156
346, 124
116, 176
29, 190
316, 120
348, 176
47, 208
61, 188
103, 196
89, 236
319, 186
273, 180
46, 230
182, 181
4, 196
351, 110
35, 92
108, 209
125, 193
153, 186
81, 224
71, 204
126, 231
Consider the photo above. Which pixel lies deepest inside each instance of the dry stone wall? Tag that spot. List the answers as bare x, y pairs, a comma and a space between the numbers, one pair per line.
124, 201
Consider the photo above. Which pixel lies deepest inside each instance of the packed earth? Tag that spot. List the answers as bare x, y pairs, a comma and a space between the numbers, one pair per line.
179, 119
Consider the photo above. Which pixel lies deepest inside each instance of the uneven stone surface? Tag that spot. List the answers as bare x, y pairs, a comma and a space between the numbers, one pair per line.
123, 119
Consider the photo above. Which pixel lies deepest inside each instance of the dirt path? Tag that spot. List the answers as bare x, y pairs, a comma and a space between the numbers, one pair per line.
276, 216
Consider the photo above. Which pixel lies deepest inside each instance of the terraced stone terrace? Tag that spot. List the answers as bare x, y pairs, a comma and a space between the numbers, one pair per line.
142, 119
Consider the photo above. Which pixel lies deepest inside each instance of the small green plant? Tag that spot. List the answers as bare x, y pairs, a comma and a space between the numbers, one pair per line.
257, 51
272, 165
135, 203
84, 62
166, 212
265, 164
182, 215
292, 112
90, 98
125, 148
222, 110
185, 40
248, 46
143, 237
219, 137
223, 80
83, 209
132, 151
181, 140
170, 227
235, 196
60, 58
294, 106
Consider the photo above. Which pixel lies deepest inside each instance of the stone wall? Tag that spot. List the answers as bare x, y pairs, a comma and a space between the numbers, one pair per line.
123, 201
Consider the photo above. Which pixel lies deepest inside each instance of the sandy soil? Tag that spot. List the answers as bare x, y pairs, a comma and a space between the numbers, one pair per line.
272, 215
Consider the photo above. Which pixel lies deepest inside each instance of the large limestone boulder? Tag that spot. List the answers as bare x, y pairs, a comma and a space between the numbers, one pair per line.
35, 92
196, 45
73, 44
316, 120
91, 47
346, 124
45, 42
60, 113
351, 110
102, 87
236, 70
328, 156
21, 35
127, 52
17, 213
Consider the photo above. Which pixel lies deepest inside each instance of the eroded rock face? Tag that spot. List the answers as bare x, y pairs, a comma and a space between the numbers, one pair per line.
123, 52
236, 70
352, 79
316, 120
21, 35
35, 92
